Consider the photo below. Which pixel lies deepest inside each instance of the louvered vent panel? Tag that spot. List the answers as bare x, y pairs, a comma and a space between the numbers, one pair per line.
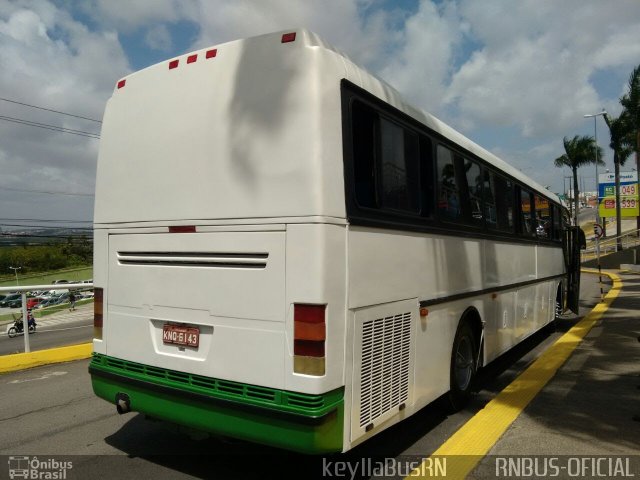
195, 259
384, 376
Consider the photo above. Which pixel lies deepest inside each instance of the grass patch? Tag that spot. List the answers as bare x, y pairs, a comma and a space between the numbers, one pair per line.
56, 308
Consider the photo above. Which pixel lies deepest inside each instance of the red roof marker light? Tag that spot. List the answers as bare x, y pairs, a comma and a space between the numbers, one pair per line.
192, 58
173, 64
182, 229
288, 37
121, 83
211, 53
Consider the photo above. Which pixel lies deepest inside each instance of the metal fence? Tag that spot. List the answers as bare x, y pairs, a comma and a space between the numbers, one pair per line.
31, 288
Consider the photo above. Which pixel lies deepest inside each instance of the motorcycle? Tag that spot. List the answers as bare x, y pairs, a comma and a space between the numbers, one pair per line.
18, 326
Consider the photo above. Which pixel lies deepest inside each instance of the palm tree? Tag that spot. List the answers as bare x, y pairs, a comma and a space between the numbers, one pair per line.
631, 103
618, 132
579, 151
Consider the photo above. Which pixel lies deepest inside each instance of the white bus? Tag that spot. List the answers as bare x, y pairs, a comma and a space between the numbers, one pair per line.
287, 252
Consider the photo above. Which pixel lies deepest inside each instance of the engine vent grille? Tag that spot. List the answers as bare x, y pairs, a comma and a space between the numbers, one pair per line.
195, 259
386, 348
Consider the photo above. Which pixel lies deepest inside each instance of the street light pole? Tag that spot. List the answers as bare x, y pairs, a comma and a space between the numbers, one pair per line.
15, 269
595, 135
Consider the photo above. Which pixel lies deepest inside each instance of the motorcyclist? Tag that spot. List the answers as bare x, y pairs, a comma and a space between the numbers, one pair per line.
31, 322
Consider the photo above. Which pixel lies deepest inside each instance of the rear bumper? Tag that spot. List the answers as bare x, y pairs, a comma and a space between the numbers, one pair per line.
289, 420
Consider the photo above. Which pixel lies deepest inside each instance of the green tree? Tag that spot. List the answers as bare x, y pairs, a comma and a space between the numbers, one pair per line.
622, 150
579, 151
631, 115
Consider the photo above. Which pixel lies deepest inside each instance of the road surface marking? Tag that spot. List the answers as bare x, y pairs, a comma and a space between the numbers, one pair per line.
43, 377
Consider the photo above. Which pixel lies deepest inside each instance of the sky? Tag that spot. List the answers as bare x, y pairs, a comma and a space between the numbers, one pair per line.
514, 76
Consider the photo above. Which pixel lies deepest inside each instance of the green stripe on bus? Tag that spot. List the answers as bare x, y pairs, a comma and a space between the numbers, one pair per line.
282, 400
284, 422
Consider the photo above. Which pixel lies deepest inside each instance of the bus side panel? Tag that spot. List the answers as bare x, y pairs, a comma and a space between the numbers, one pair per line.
386, 266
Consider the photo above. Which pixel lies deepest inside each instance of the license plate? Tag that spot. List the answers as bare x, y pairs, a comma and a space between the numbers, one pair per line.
177, 335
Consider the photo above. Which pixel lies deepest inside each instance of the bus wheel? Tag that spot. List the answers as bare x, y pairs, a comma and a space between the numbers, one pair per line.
463, 366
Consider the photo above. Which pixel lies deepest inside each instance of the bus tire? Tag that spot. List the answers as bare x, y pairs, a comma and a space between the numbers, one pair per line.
463, 366
12, 332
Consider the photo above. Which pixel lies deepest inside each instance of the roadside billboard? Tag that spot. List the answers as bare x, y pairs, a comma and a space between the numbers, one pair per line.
628, 194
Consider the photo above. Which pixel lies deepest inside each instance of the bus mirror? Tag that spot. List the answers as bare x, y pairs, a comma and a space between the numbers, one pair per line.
582, 240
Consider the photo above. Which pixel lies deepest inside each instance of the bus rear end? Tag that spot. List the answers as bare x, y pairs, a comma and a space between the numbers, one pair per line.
215, 216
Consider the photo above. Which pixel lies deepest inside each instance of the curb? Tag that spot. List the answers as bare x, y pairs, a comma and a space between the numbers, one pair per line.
22, 361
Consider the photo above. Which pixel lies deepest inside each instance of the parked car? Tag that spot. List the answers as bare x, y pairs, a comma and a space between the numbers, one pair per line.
44, 302
10, 301
58, 282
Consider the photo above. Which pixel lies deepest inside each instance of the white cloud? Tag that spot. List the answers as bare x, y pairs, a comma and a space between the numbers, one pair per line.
338, 21
422, 66
128, 15
158, 38
534, 67
49, 59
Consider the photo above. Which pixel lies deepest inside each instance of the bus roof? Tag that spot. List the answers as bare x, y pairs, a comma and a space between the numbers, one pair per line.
245, 129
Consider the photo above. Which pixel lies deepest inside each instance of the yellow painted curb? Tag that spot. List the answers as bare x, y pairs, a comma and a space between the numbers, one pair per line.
476, 437
20, 361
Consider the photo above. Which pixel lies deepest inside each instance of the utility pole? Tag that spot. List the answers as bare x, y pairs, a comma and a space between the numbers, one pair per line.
15, 269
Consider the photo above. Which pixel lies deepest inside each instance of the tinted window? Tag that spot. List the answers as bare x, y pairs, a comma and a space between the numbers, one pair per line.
426, 175
526, 214
448, 192
498, 195
543, 217
557, 223
472, 197
363, 127
399, 163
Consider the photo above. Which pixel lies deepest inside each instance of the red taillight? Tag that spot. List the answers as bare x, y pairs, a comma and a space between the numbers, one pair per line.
182, 229
309, 335
122, 83
97, 313
173, 64
288, 37
192, 58
308, 348
211, 53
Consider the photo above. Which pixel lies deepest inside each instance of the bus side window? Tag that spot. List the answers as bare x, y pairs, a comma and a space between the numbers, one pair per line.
473, 199
426, 176
448, 193
504, 204
527, 215
543, 217
498, 201
399, 157
489, 195
363, 126
557, 223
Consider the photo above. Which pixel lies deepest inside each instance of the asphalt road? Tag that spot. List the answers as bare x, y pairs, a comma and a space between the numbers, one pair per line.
51, 412
48, 336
